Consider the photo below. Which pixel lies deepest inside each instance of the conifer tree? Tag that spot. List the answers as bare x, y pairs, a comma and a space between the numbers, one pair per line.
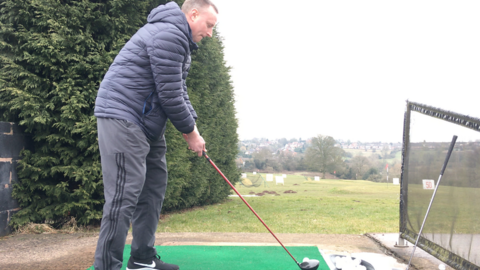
211, 93
53, 56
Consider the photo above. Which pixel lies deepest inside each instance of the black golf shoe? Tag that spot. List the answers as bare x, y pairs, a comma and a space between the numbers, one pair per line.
148, 264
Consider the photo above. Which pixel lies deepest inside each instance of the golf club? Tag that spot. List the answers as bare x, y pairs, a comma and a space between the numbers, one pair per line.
307, 264
452, 144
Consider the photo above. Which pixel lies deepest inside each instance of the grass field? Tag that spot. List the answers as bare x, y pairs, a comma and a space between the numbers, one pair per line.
322, 207
360, 152
452, 209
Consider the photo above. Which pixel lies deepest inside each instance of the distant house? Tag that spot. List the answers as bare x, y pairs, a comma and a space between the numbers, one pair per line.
240, 162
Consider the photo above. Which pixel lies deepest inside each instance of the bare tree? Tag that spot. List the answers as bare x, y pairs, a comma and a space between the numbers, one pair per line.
323, 155
385, 152
359, 165
263, 158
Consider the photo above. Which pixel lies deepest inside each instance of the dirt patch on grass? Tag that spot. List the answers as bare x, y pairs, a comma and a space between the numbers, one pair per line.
265, 192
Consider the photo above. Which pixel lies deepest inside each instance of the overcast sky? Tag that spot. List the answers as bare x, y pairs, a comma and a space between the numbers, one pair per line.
346, 68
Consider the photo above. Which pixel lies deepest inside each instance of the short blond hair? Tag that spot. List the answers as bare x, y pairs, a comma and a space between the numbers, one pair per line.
188, 5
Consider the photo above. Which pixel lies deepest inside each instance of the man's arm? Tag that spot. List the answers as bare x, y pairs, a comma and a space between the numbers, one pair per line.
167, 52
187, 101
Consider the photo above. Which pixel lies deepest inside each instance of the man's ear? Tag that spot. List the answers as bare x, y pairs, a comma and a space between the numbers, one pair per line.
194, 14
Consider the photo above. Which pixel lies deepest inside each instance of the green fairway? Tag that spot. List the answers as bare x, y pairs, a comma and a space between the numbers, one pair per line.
323, 207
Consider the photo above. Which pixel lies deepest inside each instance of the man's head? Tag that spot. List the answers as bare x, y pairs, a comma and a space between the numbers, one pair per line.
201, 16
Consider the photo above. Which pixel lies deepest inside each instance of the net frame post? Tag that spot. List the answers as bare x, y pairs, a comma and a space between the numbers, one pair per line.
401, 243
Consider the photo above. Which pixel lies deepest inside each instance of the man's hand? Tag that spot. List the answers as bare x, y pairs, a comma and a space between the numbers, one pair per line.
195, 142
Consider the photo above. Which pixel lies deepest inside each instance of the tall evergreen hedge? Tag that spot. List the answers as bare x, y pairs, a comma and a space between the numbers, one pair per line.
53, 56
211, 93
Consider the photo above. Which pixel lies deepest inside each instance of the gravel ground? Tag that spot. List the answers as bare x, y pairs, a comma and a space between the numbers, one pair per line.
76, 250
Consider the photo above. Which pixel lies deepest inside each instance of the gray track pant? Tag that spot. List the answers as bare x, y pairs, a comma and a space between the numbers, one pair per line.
135, 179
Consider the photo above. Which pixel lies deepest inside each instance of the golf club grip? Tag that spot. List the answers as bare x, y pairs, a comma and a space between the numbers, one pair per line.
452, 144
253, 211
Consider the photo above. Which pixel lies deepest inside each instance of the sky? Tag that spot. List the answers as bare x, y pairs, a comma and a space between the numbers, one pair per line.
347, 68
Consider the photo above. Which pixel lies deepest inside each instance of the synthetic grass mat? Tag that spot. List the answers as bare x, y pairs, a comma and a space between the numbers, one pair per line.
234, 257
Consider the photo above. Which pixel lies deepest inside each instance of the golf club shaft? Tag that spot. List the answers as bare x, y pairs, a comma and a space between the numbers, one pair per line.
253, 211
452, 144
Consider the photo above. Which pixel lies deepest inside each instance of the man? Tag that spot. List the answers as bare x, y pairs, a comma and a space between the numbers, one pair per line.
145, 86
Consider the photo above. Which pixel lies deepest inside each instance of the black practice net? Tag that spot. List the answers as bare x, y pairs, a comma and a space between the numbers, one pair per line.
254, 180
452, 229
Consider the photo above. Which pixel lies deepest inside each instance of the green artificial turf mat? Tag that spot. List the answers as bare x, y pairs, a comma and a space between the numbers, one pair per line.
234, 257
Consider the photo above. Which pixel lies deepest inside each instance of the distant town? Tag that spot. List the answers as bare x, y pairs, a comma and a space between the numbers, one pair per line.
335, 159
248, 147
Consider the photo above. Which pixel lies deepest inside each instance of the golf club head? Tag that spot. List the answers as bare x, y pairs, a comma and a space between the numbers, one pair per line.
308, 264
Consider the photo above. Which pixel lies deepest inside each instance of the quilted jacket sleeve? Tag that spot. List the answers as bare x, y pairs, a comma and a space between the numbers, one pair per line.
167, 51
187, 100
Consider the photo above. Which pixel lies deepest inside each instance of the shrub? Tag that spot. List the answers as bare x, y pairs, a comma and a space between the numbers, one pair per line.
53, 55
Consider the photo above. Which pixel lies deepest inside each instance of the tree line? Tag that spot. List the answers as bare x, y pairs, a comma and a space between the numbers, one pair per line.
323, 155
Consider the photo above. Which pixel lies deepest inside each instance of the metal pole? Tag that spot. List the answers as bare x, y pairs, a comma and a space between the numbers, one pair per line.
452, 144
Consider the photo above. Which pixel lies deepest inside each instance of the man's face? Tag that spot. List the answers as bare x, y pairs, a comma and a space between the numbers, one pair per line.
202, 22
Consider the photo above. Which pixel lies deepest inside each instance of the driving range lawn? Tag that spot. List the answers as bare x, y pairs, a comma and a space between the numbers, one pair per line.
321, 207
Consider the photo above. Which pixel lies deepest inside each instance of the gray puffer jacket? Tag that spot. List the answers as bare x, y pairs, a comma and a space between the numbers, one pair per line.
146, 82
